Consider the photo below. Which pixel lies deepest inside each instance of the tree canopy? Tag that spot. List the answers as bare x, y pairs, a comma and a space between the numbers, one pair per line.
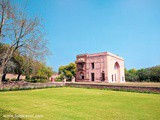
151, 74
67, 72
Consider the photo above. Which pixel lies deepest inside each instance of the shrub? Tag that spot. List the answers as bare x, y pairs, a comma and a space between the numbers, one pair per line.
28, 77
6, 80
39, 77
59, 78
13, 79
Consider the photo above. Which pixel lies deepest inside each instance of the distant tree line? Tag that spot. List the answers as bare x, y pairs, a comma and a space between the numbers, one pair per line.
151, 74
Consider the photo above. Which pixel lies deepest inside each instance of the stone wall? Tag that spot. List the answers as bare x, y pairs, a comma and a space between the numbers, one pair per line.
14, 76
116, 87
19, 85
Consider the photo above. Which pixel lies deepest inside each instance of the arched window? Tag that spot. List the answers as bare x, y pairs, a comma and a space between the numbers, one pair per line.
117, 72
116, 66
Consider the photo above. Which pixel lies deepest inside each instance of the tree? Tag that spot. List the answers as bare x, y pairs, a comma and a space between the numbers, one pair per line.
60, 78
49, 72
23, 34
23, 64
155, 74
151, 74
133, 71
41, 71
144, 75
131, 75
44, 71
67, 71
10, 67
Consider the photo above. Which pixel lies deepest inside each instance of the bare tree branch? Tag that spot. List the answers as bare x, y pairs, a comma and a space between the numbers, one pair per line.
21, 33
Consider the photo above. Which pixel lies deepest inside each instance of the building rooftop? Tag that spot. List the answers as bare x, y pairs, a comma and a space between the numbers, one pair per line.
100, 53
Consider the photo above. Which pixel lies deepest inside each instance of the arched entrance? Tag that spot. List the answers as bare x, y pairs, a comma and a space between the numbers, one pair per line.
116, 72
81, 75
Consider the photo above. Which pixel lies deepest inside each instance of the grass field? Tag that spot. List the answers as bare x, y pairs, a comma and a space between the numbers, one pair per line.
79, 104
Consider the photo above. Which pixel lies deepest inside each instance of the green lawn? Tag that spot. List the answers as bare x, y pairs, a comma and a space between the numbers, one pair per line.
80, 104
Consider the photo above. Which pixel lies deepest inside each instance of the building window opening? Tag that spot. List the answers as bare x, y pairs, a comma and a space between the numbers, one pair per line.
81, 75
112, 78
80, 65
103, 76
92, 76
116, 66
115, 77
92, 64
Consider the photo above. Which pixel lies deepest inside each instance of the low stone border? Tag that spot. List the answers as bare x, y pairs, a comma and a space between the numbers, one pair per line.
117, 87
19, 86
24, 86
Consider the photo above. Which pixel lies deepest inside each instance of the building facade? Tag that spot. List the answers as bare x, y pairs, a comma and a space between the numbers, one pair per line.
100, 67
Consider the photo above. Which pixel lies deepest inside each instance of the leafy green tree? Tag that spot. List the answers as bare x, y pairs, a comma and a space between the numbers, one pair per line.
41, 70
68, 71
22, 63
155, 74
59, 78
132, 71
144, 75
131, 75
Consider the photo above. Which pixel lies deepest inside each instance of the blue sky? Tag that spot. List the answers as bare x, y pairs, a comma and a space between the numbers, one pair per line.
129, 28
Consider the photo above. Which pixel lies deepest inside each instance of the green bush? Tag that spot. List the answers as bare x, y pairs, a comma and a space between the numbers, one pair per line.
31, 80
59, 78
28, 77
36, 80
6, 80
39, 77
13, 79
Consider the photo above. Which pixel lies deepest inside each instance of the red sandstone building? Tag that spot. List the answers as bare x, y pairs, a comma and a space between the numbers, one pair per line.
100, 67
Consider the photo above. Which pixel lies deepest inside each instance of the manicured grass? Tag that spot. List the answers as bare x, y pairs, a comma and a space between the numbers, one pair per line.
80, 104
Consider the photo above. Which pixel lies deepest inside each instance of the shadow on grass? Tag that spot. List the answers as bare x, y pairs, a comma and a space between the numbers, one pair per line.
8, 115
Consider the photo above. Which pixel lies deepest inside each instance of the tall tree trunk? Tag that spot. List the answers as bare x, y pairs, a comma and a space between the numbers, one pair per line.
1, 74
18, 77
4, 77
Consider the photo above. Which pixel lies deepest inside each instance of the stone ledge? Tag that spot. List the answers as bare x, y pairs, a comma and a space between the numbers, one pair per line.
116, 87
30, 85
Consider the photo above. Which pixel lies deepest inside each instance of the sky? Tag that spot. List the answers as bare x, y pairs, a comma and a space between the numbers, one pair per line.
128, 28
